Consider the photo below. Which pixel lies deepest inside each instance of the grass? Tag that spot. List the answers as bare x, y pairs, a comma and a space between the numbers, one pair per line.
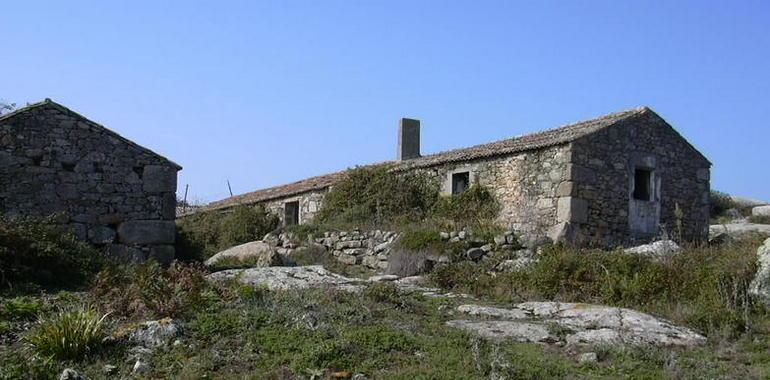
382, 332
233, 331
705, 287
68, 335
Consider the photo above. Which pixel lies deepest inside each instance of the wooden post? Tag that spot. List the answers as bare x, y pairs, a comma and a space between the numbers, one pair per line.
184, 202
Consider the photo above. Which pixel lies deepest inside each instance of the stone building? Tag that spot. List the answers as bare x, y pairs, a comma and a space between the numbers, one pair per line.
104, 188
615, 180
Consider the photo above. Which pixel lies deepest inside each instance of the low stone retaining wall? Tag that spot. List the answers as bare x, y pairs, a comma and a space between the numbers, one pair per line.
367, 248
372, 249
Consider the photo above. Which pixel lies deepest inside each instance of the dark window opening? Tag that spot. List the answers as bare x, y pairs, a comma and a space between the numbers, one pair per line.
37, 160
643, 184
70, 167
139, 170
291, 213
460, 182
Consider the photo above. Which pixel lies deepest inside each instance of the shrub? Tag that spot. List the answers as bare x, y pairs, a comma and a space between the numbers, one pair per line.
149, 290
721, 202
703, 287
38, 251
68, 335
19, 308
387, 293
409, 255
420, 238
472, 207
374, 195
201, 235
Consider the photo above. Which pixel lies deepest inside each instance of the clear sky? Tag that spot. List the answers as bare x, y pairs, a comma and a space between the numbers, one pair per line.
264, 93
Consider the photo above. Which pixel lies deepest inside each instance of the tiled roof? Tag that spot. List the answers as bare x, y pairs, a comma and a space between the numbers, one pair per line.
534, 141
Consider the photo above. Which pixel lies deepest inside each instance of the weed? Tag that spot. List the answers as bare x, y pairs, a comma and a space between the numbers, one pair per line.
68, 335
150, 290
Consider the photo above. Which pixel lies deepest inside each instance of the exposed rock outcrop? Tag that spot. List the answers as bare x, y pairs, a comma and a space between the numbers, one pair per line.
576, 324
736, 231
153, 334
760, 285
284, 278
255, 254
656, 250
761, 211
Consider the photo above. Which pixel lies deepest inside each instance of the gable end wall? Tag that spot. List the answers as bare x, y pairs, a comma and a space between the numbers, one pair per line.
603, 175
107, 191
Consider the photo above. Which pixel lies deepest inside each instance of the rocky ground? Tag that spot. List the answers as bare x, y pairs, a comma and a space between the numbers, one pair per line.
271, 321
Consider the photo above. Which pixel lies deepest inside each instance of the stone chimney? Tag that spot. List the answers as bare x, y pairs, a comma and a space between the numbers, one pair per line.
408, 139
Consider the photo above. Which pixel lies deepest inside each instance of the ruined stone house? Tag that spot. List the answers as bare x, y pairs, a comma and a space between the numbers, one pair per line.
104, 188
614, 180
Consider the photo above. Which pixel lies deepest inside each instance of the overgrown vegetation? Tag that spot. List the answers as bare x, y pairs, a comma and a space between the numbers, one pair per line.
381, 332
40, 252
148, 290
705, 288
471, 208
68, 335
201, 235
374, 195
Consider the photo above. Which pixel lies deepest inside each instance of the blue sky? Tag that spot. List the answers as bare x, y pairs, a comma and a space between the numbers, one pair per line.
264, 93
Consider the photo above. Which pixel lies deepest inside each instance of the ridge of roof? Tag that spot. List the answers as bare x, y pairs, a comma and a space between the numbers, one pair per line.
48, 101
532, 141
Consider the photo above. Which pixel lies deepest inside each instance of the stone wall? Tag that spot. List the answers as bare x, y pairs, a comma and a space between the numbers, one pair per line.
368, 248
309, 205
105, 189
525, 184
372, 249
602, 173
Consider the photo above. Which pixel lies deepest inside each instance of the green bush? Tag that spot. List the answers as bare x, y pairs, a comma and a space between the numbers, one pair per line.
68, 335
37, 251
148, 290
19, 308
201, 235
374, 195
702, 287
472, 207
721, 202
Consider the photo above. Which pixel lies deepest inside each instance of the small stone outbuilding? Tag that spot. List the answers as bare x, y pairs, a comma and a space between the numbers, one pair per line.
618, 179
106, 189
